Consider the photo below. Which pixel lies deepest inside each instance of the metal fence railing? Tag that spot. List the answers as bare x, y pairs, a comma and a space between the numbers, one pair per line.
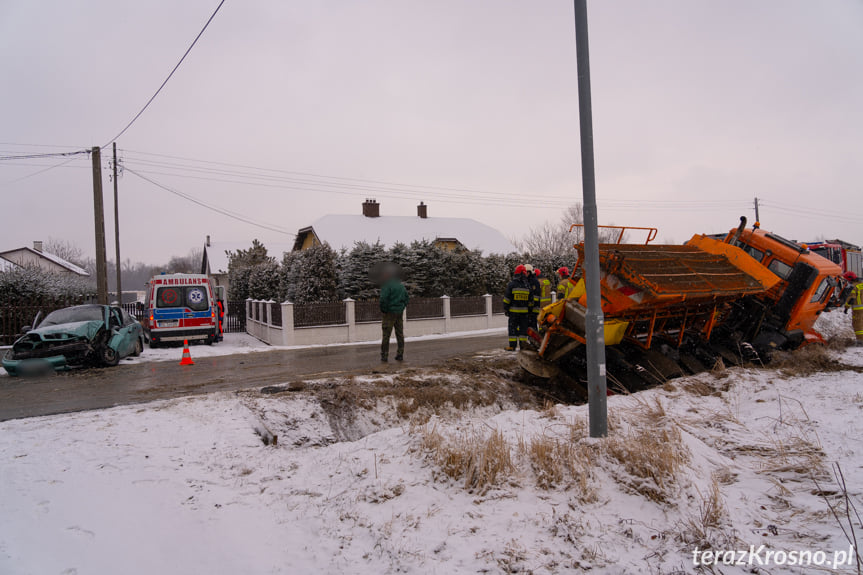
276, 315
497, 304
315, 314
470, 305
13, 319
425, 307
235, 318
367, 311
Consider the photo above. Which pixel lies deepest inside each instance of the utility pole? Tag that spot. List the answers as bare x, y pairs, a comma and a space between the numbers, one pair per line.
757, 218
99, 212
594, 321
117, 229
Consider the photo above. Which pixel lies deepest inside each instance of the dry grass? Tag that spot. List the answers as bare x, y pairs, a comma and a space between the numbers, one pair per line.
480, 461
708, 529
808, 360
650, 451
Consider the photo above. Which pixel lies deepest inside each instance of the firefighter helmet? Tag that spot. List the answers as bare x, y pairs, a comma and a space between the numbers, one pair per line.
563, 272
520, 270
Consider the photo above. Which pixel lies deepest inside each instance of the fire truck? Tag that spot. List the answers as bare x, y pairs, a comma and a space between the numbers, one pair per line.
847, 255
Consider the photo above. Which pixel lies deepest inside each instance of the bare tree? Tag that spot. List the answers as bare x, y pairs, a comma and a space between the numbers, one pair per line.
69, 251
557, 238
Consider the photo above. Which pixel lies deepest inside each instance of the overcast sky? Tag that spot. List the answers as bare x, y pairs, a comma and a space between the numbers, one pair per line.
698, 108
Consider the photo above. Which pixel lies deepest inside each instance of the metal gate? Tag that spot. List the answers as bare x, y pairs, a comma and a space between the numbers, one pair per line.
235, 319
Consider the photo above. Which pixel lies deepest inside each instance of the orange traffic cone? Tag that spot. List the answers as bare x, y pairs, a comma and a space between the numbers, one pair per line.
187, 357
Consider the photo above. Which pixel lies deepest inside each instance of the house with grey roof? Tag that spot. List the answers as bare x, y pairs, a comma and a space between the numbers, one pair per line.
38, 257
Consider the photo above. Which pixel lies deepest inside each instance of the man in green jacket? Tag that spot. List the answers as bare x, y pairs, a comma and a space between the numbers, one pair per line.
394, 300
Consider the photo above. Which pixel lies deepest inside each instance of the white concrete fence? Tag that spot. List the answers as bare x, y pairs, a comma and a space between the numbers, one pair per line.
273, 323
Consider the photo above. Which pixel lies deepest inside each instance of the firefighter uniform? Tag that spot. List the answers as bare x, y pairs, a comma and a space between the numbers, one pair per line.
517, 303
536, 292
855, 302
565, 286
544, 291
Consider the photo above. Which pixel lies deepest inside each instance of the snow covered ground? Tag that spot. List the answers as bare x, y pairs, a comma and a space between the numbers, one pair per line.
364, 479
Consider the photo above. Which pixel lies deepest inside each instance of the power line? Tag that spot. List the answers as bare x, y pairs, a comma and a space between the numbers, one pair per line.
153, 97
216, 209
43, 170
369, 186
45, 155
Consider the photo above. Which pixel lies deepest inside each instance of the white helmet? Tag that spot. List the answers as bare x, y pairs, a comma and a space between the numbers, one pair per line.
528, 268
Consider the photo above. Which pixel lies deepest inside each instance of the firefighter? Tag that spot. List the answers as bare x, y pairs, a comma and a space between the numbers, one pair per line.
544, 288
536, 291
517, 304
855, 302
564, 286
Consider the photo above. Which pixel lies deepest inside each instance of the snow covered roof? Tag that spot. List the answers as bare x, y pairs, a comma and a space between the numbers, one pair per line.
52, 258
61, 262
6, 265
342, 231
218, 260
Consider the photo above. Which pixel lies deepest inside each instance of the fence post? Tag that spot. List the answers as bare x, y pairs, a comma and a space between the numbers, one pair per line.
489, 310
269, 303
447, 316
248, 312
554, 296
351, 318
287, 323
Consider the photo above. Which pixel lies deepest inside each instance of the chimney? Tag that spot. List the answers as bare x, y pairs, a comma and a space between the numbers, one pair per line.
371, 208
208, 241
37, 245
422, 210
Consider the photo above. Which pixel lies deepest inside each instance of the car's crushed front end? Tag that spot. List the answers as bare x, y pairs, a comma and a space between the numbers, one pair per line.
54, 348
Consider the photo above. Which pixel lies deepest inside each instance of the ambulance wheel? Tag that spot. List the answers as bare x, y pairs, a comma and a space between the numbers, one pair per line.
153, 344
210, 339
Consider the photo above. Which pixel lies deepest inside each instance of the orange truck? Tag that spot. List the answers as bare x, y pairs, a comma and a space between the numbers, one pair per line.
675, 309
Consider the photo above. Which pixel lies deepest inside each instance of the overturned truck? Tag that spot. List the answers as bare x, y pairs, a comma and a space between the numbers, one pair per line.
672, 310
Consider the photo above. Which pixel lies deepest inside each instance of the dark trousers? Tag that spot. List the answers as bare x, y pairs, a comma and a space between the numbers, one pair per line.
518, 324
531, 321
388, 322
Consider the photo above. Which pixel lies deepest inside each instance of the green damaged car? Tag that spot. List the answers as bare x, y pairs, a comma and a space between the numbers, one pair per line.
84, 335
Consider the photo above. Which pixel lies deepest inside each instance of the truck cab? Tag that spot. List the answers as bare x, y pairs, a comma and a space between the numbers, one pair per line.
807, 284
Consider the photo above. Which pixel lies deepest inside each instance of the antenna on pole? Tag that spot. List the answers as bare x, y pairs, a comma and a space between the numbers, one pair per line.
757, 217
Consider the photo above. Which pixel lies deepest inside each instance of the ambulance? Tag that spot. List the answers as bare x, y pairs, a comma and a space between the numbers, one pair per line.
180, 307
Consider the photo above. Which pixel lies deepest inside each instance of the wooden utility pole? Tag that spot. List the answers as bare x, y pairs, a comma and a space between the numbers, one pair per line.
117, 229
99, 213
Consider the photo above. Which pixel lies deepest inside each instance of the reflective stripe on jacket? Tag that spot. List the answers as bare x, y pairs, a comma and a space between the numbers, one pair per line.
518, 297
545, 292
855, 301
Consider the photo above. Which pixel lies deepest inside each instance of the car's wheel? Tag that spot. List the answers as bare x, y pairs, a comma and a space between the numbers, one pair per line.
110, 357
139, 346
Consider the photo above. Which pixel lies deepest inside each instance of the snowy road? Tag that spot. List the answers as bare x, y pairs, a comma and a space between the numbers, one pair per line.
142, 382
